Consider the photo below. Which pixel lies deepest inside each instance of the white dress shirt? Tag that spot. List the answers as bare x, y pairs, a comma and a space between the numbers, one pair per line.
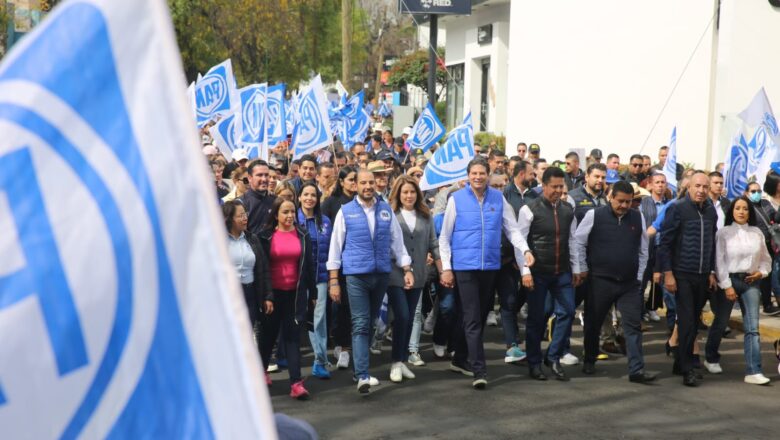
524, 220
509, 226
339, 235
740, 249
581, 245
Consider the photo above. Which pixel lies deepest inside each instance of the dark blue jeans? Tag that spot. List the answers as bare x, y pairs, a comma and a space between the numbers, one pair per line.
562, 292
283, 317
403, 302
507, 285
447, 317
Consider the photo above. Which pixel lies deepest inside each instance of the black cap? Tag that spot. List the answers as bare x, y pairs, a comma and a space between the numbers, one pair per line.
596, 153
385, 155
534, 148
399, 141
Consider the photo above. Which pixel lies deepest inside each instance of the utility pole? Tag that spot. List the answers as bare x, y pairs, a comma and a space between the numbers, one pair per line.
379, 63
432, 42
346, 43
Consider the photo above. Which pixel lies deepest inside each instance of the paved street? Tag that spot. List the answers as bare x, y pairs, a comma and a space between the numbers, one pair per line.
442, 404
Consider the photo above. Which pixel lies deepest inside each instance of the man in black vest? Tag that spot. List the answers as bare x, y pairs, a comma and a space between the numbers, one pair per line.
612, 248
548, 225
686, 254
258, 201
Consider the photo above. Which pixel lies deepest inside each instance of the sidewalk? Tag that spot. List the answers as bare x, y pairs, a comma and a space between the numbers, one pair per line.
768, 326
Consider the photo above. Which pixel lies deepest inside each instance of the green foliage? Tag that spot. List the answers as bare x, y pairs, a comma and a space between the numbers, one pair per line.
441, 110
485, 138
413, 69
267, 40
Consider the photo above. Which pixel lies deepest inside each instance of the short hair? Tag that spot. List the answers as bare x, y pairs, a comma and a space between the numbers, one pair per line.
308, 158
611, 155
296, 162
644, 156
521, 143
752, 221
635, 156
623, 187
538, 161
715, 174
596, 166
663, 148
770, 184
325, 165
573, 154
495, 153
551, 172
477, 161
341, 155
520, 167
376, 138
515, 159
255, 163
350, 155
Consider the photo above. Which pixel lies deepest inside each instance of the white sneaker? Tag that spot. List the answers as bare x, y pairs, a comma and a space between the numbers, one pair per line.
406, 372
415, 359
492, 319
756, 379
363, 386
373, 381
376, 347
569, 359
336, 351
654, 316
581, 317
714, 368
439, 350
343, 362
272, 368
395, 373
524, 311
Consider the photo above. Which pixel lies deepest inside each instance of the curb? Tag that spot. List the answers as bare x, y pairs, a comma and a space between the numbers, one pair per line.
769, 333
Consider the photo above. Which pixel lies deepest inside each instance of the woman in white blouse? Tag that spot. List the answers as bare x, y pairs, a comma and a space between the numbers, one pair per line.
742, 260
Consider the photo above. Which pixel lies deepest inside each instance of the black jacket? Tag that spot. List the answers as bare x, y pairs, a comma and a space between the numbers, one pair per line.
548, 237
306, 292
262, 273
688, 237
258, 207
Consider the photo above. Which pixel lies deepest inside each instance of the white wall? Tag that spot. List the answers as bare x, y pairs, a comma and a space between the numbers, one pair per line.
462, 47
597, 74
748, 58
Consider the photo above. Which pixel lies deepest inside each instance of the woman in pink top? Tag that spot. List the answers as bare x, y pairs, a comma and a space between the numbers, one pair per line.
293, 285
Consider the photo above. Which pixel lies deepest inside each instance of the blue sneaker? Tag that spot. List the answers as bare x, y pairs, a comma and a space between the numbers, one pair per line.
320, 371
514, 354
281, 363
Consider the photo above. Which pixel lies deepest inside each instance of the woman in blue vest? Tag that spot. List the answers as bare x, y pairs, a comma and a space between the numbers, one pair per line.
319, 229
420, 240
292, 281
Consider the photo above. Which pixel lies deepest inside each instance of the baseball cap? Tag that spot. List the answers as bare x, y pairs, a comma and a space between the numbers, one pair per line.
534, 148
612, 176
596, 153
239, 154
385, 155
407, 130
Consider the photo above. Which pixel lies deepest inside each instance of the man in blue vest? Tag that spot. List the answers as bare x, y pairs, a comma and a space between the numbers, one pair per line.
363, 232
470, 248
611, 246
547, 225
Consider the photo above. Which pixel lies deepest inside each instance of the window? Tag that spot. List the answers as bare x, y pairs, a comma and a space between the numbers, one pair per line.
454, 96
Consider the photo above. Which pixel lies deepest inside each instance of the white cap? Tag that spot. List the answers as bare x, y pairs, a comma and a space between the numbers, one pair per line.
407, 130
239, 154
210, 149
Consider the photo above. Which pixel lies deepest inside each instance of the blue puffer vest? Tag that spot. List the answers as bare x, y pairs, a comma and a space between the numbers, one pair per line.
476, 237
363, 254
320, 243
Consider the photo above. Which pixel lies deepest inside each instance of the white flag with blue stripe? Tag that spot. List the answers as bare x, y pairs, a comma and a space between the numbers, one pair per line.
759, 113
448, 164
670, 167
253, 101
385, 110
120, 313
275, 120
736, 167
215, 93
227, 134
763, 151
427, 130
312, 128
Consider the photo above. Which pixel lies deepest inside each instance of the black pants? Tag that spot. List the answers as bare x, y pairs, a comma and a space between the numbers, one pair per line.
447, 321
253, 307
474, 299
692, 293
605, 292
342, 318
283, 316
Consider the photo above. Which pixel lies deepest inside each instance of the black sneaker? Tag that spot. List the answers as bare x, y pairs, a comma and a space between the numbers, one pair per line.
771, 310
480, 383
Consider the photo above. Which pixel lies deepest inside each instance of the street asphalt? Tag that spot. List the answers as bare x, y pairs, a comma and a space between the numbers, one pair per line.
441, 404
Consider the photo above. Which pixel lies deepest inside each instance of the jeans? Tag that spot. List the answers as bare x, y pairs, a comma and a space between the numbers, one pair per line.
447, 317
475, 291
749, 299
403, 303
365, 294
319, 337
671, 308
414, 340
283, 316
561, 289
605, 292
721, 310
691, 296
507, 285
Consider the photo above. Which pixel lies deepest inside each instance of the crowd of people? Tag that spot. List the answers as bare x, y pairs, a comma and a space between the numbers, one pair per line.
346, 246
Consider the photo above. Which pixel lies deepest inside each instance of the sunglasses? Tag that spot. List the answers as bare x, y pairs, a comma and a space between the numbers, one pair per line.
245, 180
636, 165
755, 191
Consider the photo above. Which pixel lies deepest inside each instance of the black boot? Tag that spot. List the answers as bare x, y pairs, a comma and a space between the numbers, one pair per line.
676, 366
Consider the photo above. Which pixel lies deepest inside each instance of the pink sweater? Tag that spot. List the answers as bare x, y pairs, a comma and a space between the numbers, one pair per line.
285, 253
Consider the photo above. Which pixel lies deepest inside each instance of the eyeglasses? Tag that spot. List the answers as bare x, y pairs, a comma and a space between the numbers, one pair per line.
240, 216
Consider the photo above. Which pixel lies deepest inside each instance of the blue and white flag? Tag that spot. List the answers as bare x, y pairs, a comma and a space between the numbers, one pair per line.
670, 167
275, 119
384, 110
448, 164
312, 129
759, 113
468, 120
763, 151
120, 313
227, 134
253, 100
426, 131
215, 93
736, 167
289, 116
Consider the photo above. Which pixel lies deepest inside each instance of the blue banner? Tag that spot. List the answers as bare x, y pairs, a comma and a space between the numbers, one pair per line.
275, 116
427, 130
736, 167
448, 164
253, 102
312, 129
215, 93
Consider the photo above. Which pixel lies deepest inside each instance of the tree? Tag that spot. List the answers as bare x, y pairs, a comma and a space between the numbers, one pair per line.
413, 69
